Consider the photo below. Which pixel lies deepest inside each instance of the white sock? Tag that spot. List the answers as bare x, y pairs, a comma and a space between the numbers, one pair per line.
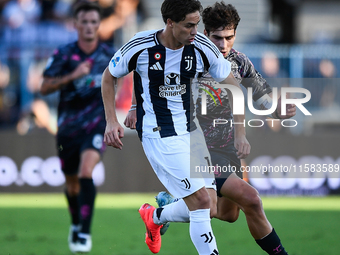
174, 212
201, 233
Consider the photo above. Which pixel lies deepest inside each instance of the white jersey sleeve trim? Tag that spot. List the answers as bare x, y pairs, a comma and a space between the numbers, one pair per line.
119, 64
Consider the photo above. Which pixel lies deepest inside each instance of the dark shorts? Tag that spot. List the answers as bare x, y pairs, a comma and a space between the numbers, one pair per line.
226, 162
70, 149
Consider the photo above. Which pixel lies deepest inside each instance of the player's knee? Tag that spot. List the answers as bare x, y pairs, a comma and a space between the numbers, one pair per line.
72, 186
203, 201
85, 172
254, 203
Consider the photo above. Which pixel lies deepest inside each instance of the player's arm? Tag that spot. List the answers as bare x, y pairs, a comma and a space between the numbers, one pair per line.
265, 101
119, 66
131, 119
262, 92
52, 84
114, 131
218, 68
290, 110
240, 142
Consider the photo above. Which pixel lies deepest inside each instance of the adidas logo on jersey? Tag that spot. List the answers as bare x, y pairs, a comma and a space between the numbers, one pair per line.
156, 66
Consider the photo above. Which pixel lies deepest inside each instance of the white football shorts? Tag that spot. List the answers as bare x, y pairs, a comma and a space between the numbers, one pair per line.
174, 160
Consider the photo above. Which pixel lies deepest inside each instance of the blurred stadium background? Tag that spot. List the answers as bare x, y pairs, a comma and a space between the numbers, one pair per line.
294, 42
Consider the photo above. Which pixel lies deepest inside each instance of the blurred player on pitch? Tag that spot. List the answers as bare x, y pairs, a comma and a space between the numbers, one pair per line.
76, 70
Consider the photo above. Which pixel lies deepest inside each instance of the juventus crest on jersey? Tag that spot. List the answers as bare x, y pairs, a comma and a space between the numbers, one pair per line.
162, 80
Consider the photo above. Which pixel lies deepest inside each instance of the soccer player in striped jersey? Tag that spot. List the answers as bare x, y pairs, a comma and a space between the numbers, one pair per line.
234, 193
164, 63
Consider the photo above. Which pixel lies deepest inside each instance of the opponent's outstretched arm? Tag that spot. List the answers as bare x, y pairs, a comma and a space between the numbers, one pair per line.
240, 142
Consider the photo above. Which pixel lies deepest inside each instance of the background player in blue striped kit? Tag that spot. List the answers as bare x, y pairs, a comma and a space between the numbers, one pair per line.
164, 62
76, 70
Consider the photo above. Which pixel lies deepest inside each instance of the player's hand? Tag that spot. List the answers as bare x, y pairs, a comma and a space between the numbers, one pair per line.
130, 120
290, 110
82, 69
242, 146
113, 133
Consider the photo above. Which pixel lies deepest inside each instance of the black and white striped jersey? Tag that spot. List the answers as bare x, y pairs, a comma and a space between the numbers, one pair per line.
162, 80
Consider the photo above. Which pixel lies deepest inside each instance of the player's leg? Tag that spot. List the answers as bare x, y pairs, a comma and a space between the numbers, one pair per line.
179, 206
92, 147
176, 178
72, 191
69, 158
250, 203
89, 159
248, 199
72, 195
164, 199
195, 209
227, 210
235, 193
225, 163
171, 205
200, 227
201, 204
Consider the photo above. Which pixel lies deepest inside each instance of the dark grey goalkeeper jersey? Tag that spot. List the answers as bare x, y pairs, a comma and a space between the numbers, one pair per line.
245, 73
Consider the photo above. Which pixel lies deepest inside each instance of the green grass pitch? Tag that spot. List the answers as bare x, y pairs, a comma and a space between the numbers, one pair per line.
37, 224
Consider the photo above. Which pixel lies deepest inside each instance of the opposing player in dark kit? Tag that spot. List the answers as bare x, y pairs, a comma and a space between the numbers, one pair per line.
76, 71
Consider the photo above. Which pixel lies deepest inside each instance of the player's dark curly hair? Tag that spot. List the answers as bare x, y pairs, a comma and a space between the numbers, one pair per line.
220, 15
86, 6
176, 10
